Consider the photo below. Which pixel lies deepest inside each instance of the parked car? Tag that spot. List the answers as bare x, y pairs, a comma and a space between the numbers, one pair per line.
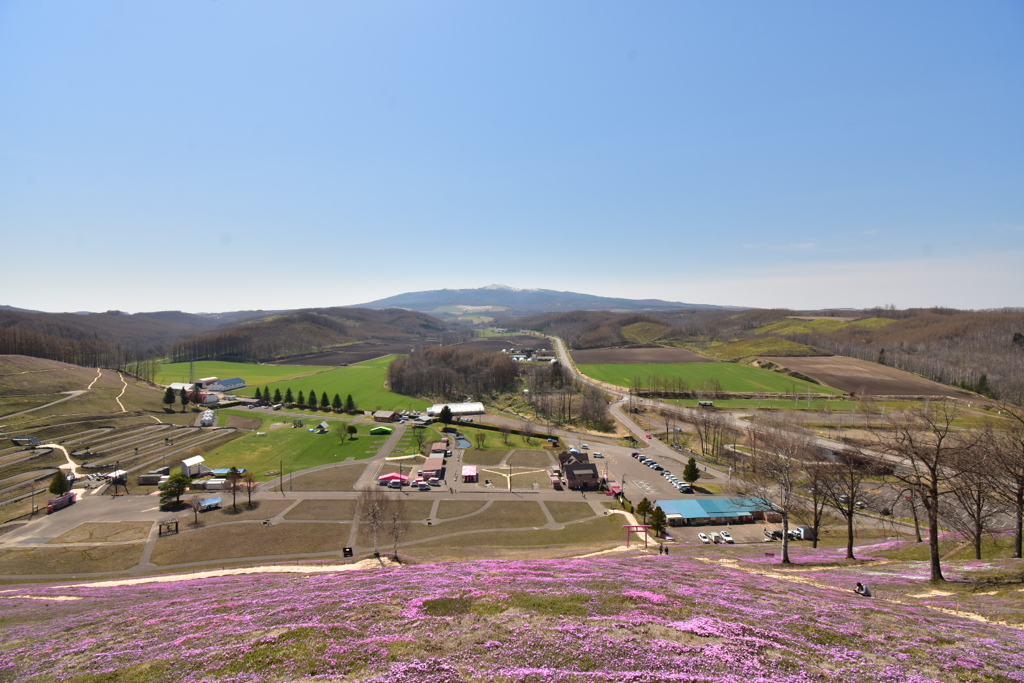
703, 537
395, 484
726, 536
597, 454
715, 538
584, 447
635, 454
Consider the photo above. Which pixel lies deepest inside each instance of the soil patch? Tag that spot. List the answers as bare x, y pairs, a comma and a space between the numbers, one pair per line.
653, 355
74, 560
244, 422
568, 512
499, 344
335, 510
356, 353
457, 508
105, 532
862, 377
252, 540
340, 478
261, 509
530, 459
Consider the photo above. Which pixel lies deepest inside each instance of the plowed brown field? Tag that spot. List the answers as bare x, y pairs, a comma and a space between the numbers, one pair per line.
655, 355
863, 377
356, 353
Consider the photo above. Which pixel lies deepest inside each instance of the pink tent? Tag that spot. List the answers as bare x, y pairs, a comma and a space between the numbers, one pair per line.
393, 476
469, 473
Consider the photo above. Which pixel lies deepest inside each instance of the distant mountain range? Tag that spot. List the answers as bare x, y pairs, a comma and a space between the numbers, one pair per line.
500, 298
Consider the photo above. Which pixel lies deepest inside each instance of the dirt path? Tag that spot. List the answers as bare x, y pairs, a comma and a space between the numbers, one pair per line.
71, 395
99, 373
123, 389
71, 463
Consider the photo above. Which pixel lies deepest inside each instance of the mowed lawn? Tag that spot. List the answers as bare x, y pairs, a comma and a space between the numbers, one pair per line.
297, 448
730, 377
253, 373
365, 381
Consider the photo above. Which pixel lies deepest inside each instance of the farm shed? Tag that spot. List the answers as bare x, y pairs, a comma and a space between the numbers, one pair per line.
205, 382
379, 431
458, 409
469, 474
385, 416
225, 471
582, 477
194, 467
226, 384
433, 467
706, 511
216, 484
176, 387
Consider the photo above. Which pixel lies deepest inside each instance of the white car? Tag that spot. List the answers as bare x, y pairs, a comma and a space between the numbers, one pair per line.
597, 454
703, 538
584, 447
726, 536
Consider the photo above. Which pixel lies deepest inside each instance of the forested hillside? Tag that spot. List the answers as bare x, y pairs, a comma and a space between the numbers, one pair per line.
981, 351
304, 332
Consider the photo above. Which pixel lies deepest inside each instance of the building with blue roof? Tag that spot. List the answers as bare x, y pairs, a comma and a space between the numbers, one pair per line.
708, 511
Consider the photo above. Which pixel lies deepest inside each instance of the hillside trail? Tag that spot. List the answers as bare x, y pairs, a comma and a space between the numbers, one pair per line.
99, 373
763, 570
124, 388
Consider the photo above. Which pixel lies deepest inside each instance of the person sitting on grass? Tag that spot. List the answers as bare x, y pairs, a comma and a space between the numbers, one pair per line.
862, 589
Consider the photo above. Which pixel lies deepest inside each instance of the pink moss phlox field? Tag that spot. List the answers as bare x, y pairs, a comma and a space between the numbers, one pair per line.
631, 620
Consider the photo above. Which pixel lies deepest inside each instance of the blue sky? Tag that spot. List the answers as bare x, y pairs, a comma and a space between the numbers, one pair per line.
213, 156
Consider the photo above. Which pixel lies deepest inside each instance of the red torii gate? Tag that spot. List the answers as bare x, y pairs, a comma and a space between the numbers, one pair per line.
630, 528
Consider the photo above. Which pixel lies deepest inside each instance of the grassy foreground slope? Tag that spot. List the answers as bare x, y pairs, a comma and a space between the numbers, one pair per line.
715, 615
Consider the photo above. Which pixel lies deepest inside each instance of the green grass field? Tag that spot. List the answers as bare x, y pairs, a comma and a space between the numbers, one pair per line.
253, 374
730, 377
364, 381
793, 326
297, 448
762, 346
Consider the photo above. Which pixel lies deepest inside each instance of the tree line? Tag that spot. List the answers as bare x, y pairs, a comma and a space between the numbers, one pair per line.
941, 476
450, 373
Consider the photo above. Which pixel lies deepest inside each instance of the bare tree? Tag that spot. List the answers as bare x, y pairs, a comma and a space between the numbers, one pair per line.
973, 488
398, 525
505, 432
250, 483
234, 476
1006, 445
373, 506
196, 503
774, 471
843, 482
926, 441
812, 506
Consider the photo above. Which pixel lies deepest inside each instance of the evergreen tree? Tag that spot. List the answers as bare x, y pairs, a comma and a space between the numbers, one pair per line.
59, 484
691, 472
184, 399
288, 397
983, 387
644, 508
169, 398
301, 400
277, 396
659, 520
311, 401
881, 357
336, 403
174, 488
324, 401
350, 404
445, 415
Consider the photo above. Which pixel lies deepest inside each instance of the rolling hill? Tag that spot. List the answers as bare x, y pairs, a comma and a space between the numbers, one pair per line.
500, 298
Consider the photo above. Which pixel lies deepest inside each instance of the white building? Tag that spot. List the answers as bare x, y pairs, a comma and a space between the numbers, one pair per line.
458, 409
